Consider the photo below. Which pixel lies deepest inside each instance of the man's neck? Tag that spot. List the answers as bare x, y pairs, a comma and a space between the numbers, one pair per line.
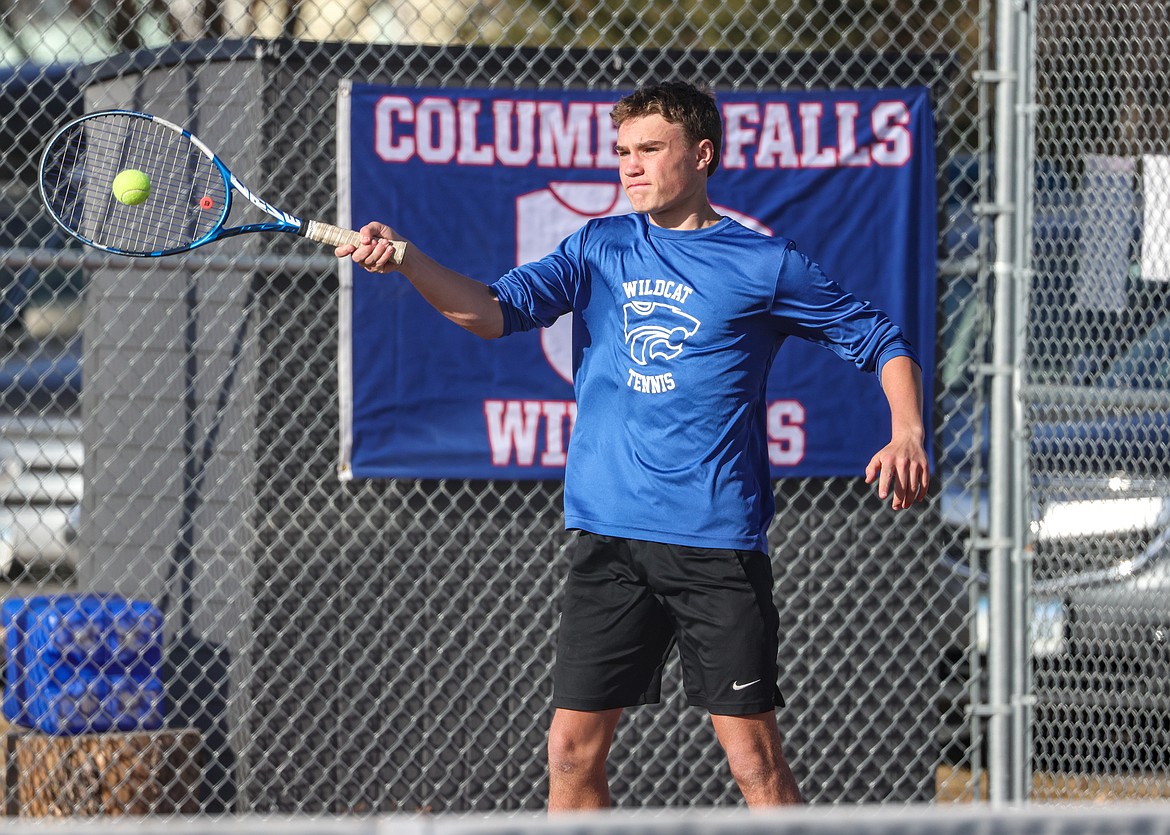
686, 220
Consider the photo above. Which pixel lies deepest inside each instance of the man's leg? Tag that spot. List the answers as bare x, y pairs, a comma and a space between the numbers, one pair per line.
578, 747
756, 756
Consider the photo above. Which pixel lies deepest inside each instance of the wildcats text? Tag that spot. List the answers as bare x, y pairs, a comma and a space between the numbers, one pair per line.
531, 433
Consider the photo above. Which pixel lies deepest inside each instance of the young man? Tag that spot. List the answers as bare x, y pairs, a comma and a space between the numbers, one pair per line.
668, 484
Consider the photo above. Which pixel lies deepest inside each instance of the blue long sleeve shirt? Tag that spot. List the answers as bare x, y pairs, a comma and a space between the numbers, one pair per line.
674, 334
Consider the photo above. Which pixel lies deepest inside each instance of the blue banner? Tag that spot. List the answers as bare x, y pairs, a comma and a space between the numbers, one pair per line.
483, 180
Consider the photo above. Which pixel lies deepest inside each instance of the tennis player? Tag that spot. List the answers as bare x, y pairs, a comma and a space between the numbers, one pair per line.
667, 481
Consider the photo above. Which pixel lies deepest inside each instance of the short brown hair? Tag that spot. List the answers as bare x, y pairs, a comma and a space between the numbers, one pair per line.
690, 106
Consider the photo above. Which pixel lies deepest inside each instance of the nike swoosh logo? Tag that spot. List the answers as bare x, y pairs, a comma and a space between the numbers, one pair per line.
735, 685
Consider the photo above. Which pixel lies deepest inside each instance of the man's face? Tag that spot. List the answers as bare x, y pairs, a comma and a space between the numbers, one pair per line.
662, 174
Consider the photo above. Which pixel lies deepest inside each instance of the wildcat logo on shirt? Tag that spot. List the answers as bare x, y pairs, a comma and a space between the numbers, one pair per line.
656, 331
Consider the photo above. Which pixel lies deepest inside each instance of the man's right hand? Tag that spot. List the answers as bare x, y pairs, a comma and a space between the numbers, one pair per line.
375, 254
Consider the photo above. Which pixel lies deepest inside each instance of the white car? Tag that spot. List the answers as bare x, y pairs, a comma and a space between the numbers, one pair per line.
40, 493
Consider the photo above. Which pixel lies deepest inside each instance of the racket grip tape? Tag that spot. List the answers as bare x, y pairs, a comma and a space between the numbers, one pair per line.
326, 233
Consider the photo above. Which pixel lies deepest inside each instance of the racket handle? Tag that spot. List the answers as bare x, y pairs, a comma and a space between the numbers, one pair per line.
327, 233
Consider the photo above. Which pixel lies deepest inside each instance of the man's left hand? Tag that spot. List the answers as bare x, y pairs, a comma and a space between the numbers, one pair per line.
900, 467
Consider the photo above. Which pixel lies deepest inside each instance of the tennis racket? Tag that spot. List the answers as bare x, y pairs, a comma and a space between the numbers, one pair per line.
191, 189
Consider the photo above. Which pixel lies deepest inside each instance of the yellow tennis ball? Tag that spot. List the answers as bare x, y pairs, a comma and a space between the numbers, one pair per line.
131, 187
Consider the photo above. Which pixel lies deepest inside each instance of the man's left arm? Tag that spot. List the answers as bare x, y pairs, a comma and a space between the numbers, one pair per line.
901, 467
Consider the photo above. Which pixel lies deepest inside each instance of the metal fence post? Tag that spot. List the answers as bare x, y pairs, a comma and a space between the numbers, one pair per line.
1021, 679
1002, 486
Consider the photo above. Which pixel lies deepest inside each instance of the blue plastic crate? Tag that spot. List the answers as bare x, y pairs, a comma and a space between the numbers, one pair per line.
83, 663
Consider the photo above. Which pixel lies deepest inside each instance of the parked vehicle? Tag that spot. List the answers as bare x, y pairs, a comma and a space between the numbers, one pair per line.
40, 494
1099, 517
40, 372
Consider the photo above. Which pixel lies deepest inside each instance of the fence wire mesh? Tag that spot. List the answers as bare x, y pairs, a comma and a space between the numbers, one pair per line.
380, 646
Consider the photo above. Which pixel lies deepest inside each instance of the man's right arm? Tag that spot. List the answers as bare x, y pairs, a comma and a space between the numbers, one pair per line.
468, 303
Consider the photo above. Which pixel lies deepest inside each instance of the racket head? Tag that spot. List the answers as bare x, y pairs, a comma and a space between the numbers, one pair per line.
190, 188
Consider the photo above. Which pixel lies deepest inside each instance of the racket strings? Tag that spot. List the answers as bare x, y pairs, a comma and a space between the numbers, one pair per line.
188, 197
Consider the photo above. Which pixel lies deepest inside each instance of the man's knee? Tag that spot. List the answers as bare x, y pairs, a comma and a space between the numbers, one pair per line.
755, 764
579, 744
570, 752
753, 746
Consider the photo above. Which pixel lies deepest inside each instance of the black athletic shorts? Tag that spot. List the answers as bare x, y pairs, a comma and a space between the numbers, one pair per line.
628, 602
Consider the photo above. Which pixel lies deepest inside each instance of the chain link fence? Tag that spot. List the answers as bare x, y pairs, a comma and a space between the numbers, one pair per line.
1094, 389
170, 433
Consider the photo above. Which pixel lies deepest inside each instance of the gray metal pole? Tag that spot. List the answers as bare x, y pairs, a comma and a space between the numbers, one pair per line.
1021, 684
1002, 372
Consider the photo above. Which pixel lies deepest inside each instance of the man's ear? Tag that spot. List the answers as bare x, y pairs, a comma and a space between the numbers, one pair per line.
706, 152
